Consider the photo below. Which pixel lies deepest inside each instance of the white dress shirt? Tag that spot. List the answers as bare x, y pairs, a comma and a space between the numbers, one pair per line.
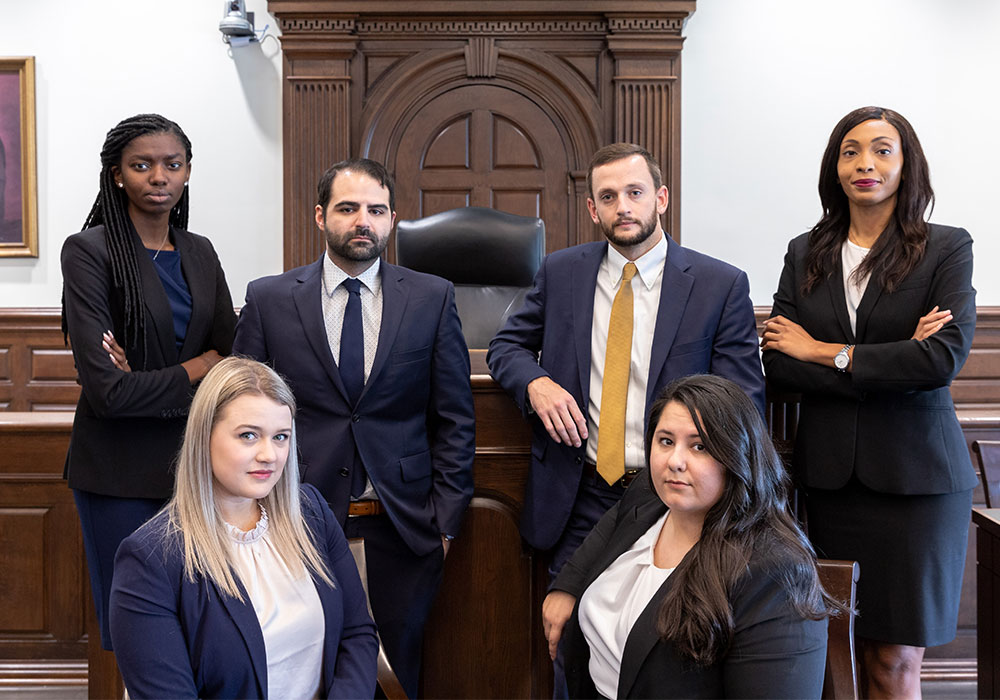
335, 303
335, 297
613, 602
646, 302
288, 609
851, 256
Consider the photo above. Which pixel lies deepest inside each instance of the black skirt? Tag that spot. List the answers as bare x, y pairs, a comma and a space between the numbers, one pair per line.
911, 550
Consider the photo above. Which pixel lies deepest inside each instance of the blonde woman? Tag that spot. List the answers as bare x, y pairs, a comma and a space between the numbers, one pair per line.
243, 585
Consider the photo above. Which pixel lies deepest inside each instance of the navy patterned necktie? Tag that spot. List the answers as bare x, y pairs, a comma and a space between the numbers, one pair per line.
352, 343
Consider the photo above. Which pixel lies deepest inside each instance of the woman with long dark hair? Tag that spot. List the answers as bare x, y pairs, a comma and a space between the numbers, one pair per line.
148, 313
698, 583
872, 320
243, 586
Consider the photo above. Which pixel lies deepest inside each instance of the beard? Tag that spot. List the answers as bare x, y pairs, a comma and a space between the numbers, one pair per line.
646, 229
341, 244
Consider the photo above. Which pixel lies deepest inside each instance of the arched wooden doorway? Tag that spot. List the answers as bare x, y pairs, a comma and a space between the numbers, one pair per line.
484, 146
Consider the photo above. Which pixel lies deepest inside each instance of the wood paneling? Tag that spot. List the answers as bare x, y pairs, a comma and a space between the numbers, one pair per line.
490, 600
485, 103
42, 575
36, 366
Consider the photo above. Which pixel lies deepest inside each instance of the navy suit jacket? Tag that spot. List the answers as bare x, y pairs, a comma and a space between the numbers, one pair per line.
891, 419
414, 423
705, 324
128, 425
774, 653
178, 638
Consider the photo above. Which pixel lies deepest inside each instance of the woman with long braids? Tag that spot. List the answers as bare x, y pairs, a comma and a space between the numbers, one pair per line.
873, 318
698, 583
148, 313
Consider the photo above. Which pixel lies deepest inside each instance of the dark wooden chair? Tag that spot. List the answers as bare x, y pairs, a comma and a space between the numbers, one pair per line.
840, 578
387, 680
988, 456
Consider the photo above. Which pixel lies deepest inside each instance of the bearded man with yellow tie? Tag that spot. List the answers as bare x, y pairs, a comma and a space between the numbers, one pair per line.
604, 328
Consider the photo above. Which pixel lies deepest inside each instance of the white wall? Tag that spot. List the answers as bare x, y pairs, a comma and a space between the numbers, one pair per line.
764, 83
99, 62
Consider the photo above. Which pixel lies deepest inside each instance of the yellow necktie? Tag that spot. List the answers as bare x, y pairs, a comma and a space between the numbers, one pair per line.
614, 388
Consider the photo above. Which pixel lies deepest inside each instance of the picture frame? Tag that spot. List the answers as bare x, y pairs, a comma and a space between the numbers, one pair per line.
18, 175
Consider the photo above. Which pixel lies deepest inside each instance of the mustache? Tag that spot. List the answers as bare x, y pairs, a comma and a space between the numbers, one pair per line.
363, 232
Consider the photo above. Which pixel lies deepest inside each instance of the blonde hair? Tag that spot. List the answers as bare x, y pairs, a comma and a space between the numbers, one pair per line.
192, 510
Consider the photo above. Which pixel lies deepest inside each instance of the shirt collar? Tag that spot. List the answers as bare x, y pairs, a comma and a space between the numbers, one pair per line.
333, 276
648, 265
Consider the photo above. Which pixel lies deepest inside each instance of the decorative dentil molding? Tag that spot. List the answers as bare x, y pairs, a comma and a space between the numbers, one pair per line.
337, 25
452, 27
659, 25
481, 26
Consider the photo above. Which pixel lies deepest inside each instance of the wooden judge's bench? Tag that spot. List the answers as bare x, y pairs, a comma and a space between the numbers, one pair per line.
484, 638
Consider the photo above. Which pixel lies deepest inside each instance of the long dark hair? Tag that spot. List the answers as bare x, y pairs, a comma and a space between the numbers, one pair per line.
111, 209
901, 246
751, 520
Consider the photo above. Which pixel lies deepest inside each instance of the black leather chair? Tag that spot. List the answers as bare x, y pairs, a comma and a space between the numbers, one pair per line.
490, 256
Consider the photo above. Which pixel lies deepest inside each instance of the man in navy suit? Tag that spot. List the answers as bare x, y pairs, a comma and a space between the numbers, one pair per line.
691, 314
385, 422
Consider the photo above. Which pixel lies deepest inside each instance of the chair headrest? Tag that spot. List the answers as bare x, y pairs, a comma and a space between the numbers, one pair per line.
474, 245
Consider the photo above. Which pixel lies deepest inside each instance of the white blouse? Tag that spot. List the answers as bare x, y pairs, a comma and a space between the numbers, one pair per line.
852, 255
613, 602
288, 609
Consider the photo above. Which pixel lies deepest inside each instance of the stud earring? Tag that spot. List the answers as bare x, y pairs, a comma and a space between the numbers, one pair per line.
121, 185
185, 184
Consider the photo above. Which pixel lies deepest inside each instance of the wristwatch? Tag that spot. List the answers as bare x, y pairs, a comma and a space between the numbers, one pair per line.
843, 358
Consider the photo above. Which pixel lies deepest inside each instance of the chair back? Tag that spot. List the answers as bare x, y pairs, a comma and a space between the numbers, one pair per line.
386, 677
840, 578
490, 256
988, 455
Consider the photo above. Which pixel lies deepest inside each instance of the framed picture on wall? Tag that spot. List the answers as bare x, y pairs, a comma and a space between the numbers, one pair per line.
18, 193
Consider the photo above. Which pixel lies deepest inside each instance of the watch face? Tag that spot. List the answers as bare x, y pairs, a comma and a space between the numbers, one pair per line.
841, 360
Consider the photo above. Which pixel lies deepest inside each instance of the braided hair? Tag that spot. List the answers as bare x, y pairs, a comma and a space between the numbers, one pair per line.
111, 209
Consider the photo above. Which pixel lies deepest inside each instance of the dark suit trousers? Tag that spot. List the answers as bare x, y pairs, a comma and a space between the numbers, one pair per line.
401, 588
105, 521
594, 498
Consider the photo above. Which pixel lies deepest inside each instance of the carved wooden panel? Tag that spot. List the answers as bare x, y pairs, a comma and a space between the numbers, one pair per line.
42, 575
36, 367
497, 104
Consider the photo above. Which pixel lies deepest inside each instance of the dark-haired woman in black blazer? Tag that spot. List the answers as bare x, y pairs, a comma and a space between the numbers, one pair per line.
698, 583
148, 312
873, 318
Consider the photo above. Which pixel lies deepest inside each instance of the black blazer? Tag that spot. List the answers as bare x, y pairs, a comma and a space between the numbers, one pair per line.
128, 425
890, 420
774, 653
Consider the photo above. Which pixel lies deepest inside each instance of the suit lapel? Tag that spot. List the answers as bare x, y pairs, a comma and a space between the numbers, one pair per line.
202, 294
583, 284
868, 301
835, 286
394, 300
309, 304
157, 305
675, 289
245, 619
